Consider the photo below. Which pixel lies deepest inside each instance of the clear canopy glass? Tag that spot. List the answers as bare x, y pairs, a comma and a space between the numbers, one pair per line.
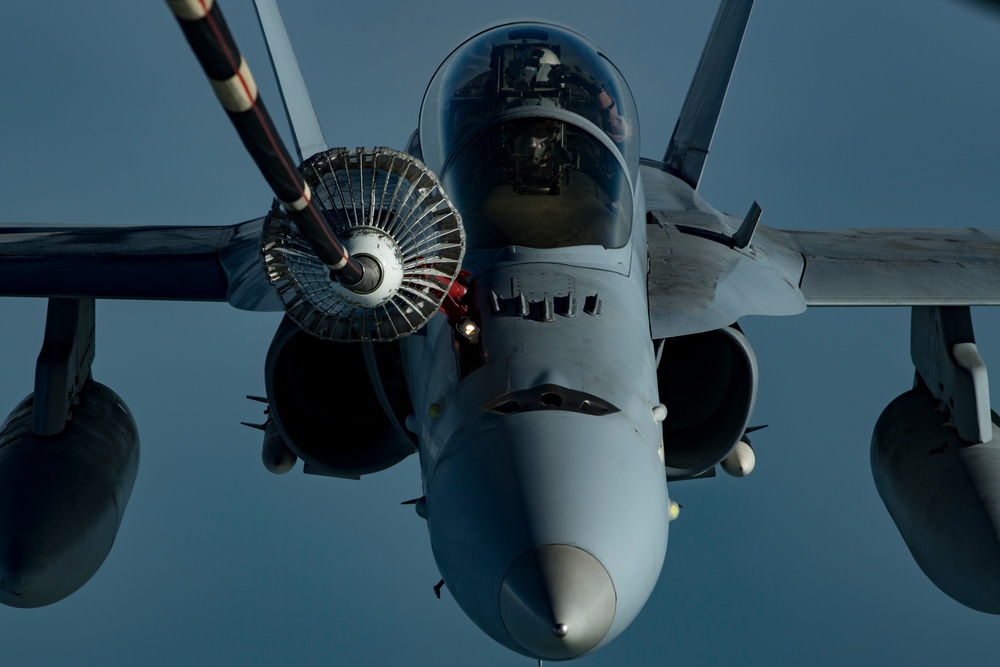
525, 65
534, 134
540, 183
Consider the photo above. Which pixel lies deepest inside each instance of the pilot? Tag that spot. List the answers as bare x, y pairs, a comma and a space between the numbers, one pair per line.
535, 154
540, 66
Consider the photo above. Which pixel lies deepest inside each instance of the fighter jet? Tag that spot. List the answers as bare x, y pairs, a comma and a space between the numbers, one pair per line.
585, 350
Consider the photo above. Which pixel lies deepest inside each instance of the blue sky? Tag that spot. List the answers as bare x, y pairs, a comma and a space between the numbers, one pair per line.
841, 114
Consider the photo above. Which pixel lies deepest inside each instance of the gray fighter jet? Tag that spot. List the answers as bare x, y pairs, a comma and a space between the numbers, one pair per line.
551, 326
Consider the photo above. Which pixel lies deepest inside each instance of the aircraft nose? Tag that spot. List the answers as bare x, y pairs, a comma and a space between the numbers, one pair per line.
557, 601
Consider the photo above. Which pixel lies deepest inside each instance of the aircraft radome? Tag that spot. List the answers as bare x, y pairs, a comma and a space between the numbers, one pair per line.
860, 116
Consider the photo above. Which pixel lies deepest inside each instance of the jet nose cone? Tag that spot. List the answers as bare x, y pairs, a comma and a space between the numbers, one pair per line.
557, 602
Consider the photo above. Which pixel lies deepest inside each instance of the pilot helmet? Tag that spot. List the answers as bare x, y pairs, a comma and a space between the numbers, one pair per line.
532, 67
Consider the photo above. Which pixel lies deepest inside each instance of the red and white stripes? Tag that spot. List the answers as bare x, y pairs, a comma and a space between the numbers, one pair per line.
230, 77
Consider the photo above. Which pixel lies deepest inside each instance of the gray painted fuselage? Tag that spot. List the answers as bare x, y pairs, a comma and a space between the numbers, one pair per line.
503, 478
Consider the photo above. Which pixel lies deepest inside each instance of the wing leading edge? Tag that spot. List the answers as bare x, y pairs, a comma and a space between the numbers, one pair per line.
899, 267
160, 263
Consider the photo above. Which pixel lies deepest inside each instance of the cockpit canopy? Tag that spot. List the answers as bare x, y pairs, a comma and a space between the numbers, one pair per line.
522, 65
534, 134
540, 183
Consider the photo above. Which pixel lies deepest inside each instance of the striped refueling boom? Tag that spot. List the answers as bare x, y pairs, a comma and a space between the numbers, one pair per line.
207, 33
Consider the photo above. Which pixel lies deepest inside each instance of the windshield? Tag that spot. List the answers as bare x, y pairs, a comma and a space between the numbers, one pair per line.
541, 183
525, 66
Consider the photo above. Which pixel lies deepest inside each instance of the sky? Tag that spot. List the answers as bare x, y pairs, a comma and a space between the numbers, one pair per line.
847, 114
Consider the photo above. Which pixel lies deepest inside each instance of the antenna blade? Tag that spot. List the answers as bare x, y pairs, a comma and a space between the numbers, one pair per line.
743, 236
685, 156
299, 109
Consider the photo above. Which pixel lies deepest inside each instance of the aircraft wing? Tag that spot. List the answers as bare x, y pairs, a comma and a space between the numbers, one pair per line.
708, 269
166, 263
899, 267
700, 280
